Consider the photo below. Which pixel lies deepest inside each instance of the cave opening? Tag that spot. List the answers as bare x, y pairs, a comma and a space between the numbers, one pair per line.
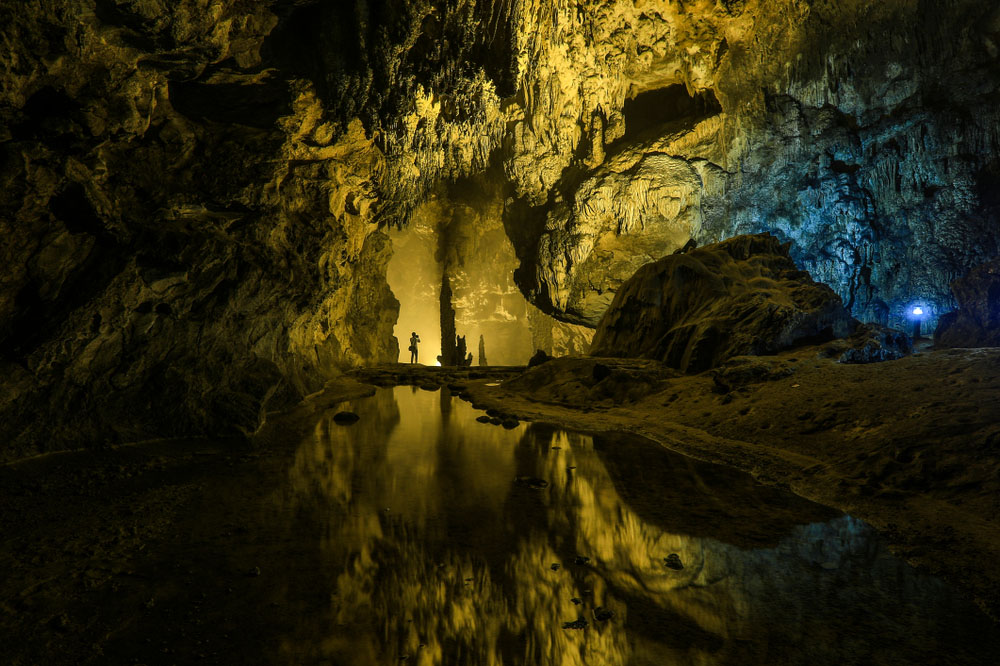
649, 110
456, 247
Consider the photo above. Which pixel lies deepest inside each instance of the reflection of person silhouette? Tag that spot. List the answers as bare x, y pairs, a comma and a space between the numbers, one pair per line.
414, 341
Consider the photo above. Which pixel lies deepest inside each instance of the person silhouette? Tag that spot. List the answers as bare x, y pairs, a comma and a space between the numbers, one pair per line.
414, 341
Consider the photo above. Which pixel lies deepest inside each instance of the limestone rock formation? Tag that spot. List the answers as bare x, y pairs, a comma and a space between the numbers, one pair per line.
865, 132
194, 200
741, 296
872, 343
976, 323
189, 241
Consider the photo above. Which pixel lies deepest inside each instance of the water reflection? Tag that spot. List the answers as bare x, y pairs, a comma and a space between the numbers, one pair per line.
435, 555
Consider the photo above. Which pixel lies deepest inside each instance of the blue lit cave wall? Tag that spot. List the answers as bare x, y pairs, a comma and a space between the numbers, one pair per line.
195, 204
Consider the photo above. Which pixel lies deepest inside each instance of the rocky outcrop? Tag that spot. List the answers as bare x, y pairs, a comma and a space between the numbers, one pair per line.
976, 323
189, 235
872, 343
742, 296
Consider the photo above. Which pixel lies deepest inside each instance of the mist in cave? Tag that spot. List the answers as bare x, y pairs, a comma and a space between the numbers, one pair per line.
726, 273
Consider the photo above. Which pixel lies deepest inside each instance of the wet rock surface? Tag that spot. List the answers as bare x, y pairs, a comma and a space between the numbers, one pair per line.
189, 234
976, 323
743, 296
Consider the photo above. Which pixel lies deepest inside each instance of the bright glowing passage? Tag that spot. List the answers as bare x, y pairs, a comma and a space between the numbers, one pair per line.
918, 311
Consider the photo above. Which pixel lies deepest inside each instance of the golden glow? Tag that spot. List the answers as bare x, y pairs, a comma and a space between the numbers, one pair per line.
415, 278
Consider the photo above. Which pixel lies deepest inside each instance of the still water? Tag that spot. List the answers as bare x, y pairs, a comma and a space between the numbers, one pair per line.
448, 541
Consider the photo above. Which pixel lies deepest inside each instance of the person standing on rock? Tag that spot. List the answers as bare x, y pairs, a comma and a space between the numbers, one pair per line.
414, 341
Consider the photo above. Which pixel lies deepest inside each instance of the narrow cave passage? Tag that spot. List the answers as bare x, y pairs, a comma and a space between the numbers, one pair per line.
414, 276
469, 245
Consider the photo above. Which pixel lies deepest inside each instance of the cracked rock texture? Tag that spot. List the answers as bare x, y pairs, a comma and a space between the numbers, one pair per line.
697, 310
976, 323
194, 194
185, 243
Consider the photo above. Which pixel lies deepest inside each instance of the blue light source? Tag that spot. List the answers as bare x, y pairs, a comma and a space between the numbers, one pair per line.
917, 314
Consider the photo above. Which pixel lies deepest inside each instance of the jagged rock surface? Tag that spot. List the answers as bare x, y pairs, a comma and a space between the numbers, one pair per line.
742, 296
248, 153
186, 243
873, 343
866, 133
977, 321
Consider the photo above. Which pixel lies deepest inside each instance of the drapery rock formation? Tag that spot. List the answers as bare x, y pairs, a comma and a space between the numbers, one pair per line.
977, 321
742, 296
193, 197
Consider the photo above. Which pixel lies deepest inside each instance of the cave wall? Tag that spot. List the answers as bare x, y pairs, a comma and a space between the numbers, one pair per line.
195, 195
864, 132
188, 240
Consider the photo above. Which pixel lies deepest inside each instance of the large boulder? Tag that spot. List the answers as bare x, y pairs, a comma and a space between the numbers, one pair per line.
741, 296
976, 323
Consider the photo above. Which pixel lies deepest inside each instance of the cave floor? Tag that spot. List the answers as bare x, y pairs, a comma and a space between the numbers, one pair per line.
98, 544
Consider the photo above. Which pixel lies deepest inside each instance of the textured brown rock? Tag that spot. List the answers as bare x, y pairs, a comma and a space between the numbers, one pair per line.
976, 323
742, 296
190, 242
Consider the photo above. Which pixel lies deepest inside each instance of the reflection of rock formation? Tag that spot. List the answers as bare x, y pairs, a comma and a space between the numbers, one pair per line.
437, 556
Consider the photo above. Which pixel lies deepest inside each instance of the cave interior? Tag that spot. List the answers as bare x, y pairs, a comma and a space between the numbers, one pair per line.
761, 234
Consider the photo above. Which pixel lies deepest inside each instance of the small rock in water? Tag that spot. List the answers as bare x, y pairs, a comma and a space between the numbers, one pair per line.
555, 566
580, 559
575, 624
673, 561
602, 614
483, 418
531, 482
429, 387
493, 412
496, 420
510, 424
345, 418
577, 601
